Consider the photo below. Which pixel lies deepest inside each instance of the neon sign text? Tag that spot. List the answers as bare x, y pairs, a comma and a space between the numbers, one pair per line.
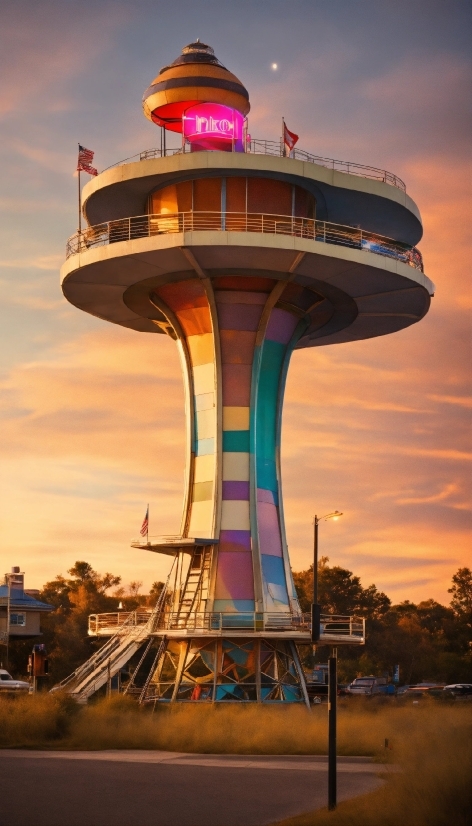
213, 126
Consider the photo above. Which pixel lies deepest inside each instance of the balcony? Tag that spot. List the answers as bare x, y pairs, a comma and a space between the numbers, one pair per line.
276, 149
143, 226
334, 629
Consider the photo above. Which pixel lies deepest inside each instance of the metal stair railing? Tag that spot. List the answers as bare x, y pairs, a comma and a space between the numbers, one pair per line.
128, 635
124, 652
97, 658
97, 678
160, 651
153, 621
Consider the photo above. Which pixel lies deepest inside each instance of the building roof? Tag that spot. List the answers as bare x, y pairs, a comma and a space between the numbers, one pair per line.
19, 599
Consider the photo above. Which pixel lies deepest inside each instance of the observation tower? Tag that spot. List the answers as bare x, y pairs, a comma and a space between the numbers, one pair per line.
241, 251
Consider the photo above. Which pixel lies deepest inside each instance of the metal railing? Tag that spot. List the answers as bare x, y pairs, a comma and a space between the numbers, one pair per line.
276, 149
262, 147
201, 621
117, 620
142, 226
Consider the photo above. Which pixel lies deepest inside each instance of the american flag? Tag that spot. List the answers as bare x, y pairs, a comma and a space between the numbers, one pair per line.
145, 525
84, 160
290, 138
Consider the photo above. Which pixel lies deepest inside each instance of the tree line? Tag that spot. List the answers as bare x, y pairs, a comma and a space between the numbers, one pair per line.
429, 641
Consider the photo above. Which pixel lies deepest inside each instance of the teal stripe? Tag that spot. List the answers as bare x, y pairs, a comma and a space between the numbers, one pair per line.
236, 441
272, 359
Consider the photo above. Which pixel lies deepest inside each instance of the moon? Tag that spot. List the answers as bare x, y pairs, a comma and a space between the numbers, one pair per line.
274, 66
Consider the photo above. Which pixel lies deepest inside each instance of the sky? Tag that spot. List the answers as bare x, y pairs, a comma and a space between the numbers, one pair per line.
91, 414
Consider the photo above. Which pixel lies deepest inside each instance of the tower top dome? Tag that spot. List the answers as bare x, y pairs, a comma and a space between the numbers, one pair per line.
195, 53
195, 76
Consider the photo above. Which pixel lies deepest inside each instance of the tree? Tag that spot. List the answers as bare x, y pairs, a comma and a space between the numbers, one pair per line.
339, 592
65, 630
134, 588
461, 602
427, 640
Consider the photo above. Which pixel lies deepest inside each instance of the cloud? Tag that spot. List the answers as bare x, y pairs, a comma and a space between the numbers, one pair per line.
41, 262
43, 49
462, 401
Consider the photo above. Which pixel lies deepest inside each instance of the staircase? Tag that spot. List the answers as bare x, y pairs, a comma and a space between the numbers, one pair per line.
107, 661
195, 592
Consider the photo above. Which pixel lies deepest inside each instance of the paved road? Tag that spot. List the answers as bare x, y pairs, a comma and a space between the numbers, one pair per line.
151, 788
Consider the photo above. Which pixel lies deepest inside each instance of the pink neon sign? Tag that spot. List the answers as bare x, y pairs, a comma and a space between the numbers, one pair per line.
213, 126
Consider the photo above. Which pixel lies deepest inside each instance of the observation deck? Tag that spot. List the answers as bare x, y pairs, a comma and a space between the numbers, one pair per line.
336, 630
358, 252
173, 545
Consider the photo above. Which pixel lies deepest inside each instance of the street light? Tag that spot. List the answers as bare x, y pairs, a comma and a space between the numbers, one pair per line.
316, 608
332, 667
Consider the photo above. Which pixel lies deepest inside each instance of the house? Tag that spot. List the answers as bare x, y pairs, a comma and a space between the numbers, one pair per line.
20, 611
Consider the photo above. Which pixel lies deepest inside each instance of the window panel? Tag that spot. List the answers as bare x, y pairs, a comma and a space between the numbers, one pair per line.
207, 195
236, 194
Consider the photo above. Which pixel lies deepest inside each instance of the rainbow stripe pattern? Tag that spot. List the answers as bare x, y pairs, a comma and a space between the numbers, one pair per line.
236, 336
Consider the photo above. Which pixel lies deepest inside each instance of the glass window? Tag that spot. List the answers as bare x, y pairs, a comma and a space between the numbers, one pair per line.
18, 619
171, 199
239, 194
207, 195
268, 196
236, 194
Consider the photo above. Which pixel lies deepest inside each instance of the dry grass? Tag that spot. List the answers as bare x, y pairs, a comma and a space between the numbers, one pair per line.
36, 721
119, 723
432, 746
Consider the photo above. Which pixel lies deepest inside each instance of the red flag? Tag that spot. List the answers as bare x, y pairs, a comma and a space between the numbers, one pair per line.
84, 160
290, 138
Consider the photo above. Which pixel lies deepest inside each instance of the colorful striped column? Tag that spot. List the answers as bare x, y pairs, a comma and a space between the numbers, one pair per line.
236, 341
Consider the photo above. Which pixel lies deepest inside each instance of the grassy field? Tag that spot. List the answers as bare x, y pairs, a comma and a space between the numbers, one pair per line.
433, 784
429, 742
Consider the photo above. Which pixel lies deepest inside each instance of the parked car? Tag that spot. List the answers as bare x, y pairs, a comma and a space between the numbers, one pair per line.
422, 689
459, 689
367, 686
7, 683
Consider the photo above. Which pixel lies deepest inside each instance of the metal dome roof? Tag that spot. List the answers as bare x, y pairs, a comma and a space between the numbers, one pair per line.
195, 53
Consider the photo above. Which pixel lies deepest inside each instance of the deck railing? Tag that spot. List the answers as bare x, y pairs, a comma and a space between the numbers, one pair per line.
276, 149
201, 621
142, 226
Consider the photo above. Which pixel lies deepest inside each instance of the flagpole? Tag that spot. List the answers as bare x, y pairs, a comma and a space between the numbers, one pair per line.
147, 527
80, 205
283, 138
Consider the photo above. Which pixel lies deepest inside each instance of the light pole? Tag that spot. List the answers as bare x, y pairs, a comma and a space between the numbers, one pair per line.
332, 666
316, 607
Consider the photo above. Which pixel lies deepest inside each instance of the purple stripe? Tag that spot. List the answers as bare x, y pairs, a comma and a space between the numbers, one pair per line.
236, 490
281, 326
270, 541
234, 541
234, 579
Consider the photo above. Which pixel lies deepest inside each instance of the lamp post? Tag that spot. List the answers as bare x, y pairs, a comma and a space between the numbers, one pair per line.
332, 666
315, 607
